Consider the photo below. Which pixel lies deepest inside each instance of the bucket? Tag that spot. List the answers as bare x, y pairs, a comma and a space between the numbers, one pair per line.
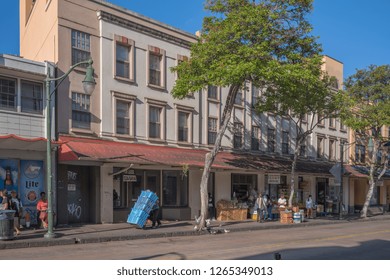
7, 224
302, 213
297, 218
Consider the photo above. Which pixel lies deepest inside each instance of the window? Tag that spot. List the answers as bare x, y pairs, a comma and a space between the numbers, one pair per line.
243, 186
332, 149
123, 117
175, 189
122, 61
255, 96
212, 130
342, 126
32, 97
321, 120
238, 100
81, 116
183, 131
360, 153
238, 134
154, 122
255, 145
271, 140
332, 123
302, 149
212, 92
180, 59
81, 47
156, 66
7, 93
320, 147
285, 141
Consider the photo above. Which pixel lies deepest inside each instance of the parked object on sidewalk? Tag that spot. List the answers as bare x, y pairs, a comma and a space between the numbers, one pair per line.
7, 224
142, 208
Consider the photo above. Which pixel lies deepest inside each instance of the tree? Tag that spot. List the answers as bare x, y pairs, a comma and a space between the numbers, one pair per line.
266, 42
366, 110
305, 108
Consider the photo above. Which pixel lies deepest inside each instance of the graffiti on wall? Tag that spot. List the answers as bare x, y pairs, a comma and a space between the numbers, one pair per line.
74, 210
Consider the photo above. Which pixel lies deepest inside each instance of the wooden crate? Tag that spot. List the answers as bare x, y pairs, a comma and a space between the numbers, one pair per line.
285, 215
286, 221
232, 214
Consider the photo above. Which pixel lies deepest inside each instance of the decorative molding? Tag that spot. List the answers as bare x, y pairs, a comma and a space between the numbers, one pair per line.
105, 16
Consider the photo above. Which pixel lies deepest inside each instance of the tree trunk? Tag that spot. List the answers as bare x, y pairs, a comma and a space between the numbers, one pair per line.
371, 182
292, 180
210, 157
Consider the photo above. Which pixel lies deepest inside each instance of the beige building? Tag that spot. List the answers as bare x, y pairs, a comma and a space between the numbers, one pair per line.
131, 134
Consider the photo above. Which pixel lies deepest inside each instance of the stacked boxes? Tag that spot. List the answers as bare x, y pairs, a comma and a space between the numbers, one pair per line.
140, 212
286, 217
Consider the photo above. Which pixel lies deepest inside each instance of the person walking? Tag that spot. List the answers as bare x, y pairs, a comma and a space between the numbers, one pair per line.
154, 213
309, 207
42, 209
270, 205
261, 208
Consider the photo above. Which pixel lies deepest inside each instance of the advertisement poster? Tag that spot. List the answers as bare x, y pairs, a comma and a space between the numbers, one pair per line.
31, 185
9, 169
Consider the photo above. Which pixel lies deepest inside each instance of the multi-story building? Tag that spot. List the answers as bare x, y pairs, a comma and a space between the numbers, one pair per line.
22, 128
131, 134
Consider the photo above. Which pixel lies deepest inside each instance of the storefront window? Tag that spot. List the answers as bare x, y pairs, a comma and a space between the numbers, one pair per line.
275, 190
243, 186
175, 189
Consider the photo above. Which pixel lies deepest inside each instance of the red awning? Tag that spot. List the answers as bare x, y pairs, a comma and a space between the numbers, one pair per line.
14, 142
84, 149
74, 150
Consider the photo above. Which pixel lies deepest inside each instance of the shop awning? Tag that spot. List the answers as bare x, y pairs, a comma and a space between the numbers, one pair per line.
360, 171
74, 150
14, 142
83, 149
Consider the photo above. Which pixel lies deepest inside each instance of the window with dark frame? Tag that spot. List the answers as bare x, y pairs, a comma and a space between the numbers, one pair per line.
183, 130
212, 130
123, 117
154, 122
320, 147
7, 93
32, 97
81, 47
212, 92
285, 142
122, 61
271, 140
238, 135
360, 153
81, 115
255, 145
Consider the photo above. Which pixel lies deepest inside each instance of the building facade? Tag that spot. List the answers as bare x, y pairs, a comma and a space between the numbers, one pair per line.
131, 134
22, 129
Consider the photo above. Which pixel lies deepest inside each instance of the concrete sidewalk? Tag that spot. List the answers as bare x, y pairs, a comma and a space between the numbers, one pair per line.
94, 233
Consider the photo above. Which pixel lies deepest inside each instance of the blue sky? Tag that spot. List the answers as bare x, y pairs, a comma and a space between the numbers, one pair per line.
355, 32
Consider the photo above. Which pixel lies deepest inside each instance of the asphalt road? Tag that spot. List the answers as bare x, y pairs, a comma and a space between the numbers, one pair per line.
354, 241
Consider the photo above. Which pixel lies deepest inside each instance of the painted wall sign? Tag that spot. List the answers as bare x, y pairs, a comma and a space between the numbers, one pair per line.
274, 179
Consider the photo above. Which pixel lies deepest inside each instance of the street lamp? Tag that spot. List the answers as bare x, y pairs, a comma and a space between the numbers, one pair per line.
88, 85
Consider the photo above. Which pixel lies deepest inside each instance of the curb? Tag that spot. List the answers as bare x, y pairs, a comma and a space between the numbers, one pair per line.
8, 244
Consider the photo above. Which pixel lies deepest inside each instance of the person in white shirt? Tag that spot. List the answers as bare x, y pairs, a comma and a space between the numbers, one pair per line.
282, 202
309, 207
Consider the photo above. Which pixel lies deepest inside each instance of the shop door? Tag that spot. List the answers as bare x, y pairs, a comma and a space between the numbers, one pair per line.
77, 194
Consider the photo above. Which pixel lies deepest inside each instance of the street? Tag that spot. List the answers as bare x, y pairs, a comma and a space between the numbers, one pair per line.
354, 241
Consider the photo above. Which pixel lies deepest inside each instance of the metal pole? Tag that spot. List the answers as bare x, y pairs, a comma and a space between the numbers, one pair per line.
50, 233
341, 179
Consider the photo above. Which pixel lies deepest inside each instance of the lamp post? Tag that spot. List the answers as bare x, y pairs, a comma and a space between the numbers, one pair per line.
89, 86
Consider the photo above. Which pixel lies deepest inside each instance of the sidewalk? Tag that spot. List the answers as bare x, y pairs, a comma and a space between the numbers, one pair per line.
94, 233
